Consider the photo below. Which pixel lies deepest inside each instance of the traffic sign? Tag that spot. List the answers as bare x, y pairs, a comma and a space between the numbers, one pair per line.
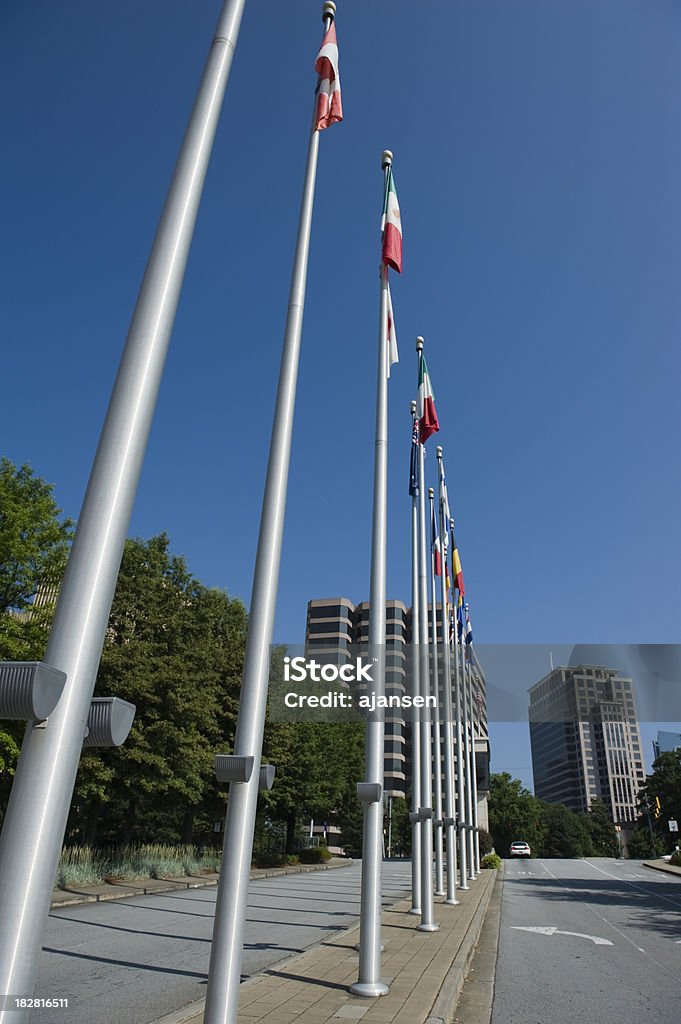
673, 826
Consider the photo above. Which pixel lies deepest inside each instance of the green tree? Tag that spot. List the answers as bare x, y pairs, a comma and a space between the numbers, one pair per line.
174, 649
401, 827
34, 542
664, 785
317, 768
514, 814
566, 833
640, 846
602, 830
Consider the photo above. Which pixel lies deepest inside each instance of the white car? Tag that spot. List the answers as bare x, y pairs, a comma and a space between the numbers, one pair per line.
520, 849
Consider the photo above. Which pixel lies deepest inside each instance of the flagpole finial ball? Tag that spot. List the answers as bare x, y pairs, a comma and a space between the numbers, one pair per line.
438, 451
328, 10
413, 408
431, 493
419, 344
386, 159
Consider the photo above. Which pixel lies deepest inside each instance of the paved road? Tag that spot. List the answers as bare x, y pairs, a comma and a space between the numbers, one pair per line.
623, 965
134, 960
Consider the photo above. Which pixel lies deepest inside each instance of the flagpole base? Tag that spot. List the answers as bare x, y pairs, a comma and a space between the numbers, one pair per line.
428, 928
453, 903
464, 888
369, 989
439, 892
415, 910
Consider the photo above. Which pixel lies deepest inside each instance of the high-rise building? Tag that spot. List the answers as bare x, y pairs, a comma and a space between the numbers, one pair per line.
335, 625
585, 739
666, 742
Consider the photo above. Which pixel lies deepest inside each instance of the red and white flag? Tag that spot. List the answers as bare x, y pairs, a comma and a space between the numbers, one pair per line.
329, 108
392, 227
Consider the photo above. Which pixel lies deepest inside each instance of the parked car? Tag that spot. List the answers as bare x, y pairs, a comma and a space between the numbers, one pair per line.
520, 849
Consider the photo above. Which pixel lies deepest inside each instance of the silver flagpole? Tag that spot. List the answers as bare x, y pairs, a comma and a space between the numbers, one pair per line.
435, 689
369, 979
467, 758
224, 971
426, 809
43, 786
474, 769
416, 724
449, 821
460, 763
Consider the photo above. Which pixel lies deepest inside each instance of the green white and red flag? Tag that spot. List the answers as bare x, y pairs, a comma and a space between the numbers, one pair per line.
329, 108
425, 403
392, 227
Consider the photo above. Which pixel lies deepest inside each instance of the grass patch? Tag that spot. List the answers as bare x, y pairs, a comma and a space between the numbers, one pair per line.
81, 865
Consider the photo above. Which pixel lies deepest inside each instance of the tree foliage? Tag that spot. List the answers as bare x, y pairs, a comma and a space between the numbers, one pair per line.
552, 830
34, 544
174, 648
34, 541
602, 830
514, 814
318, 766
664, 785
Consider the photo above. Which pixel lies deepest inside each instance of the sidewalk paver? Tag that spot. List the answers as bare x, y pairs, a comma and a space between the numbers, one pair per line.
425, 971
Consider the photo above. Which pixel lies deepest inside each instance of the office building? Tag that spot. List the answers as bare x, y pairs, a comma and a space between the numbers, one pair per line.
666, 742
585, 740
335, 625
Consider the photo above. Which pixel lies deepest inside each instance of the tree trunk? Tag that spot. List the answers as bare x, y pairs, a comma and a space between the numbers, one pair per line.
92, 822
290, 832
128, 829
188, 826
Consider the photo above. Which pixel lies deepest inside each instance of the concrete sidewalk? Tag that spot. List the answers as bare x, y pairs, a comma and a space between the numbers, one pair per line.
425, 971
73, 895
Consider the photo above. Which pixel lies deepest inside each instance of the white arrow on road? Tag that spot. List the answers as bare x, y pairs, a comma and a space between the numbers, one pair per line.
596, 939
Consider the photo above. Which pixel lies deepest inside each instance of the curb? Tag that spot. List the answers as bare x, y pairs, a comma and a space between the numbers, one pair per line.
74, 898
669, 869
444, 1006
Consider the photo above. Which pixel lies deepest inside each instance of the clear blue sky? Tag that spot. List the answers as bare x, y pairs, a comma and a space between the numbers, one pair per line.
538, 166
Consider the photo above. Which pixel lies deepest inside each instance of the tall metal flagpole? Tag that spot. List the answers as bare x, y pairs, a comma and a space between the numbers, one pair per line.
426, 809
449, 820
467, 759
435, 689
474, 770
369, 979
416, 689
224, 971
460, 763
43, 786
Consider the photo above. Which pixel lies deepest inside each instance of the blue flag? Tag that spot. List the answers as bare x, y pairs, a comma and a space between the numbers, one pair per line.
413, 462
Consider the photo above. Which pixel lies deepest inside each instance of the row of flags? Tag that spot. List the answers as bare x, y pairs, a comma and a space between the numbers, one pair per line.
329, 110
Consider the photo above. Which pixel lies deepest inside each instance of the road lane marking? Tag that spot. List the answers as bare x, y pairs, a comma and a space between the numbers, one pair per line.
596, 939
651, 892
609, 923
